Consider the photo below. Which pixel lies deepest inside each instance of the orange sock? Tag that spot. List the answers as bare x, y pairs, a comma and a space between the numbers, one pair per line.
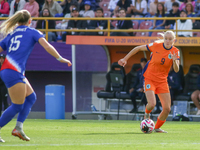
159, 123
147, 111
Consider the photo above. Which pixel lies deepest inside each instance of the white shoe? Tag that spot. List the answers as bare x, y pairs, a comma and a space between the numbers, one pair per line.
20, 133
198, 112
1, 140
146, 116
160, 131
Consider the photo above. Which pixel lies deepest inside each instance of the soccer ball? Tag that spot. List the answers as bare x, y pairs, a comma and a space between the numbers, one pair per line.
147, 126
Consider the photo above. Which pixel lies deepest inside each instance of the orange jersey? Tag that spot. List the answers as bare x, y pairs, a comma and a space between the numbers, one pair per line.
160, 62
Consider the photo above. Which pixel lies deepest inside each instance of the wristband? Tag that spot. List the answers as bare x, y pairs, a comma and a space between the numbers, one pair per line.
59, 58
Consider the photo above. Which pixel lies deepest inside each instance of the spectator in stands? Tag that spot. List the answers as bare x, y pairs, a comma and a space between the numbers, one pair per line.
125, 4
197, 8
97, 24
66, 5
15, 6
196, 96
87, 12
33, 8
40, 3
123, 24
137, 89
174, 82
74, 24
4, 8
54, 7
139, 7
184, 25
153, 7
174, 12
64, 23
183, 5
169, 4
82, 3
112, 5
9, 1
190, 10
159, 24
41, 24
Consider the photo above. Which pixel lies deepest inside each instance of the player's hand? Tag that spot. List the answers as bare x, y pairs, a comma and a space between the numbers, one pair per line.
63, 60
122, 62
131, 90
174, 56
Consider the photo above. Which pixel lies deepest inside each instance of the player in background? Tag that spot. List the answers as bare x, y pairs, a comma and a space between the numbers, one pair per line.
18, 43
164, 55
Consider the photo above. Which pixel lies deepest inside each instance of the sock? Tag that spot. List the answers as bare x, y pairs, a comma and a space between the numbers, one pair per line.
147, 111
9, 113
30, 100
19, 124
159, 123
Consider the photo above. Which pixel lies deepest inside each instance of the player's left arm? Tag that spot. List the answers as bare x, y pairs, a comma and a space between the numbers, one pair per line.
175, 58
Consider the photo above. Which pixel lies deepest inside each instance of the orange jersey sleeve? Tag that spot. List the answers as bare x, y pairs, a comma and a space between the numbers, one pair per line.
158, 67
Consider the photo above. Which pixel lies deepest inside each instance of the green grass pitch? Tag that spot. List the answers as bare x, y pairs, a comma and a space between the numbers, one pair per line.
100, 135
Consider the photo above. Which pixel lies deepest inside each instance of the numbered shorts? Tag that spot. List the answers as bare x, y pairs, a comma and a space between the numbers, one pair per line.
11, 77
157, 87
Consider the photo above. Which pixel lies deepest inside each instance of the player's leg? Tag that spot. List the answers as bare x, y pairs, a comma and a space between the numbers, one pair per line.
195, 98
17, 95
165, 100
29, 101
151, 102
149, 89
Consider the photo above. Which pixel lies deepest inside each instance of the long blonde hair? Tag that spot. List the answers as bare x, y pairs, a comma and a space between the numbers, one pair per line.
163, 35
21, 17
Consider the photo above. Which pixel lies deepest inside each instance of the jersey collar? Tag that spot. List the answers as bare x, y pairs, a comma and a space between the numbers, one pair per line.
166, 48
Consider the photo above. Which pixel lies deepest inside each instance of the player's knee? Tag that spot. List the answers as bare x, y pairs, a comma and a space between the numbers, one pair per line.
167, 110
17, 107
152, 105
32, 98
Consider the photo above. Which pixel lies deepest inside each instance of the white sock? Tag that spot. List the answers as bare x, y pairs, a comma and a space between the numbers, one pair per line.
19, 124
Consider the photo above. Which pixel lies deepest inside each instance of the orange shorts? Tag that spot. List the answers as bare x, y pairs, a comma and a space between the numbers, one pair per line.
157, 87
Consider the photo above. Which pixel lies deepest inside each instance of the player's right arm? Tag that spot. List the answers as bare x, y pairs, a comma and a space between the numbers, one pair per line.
124, 60
51, 50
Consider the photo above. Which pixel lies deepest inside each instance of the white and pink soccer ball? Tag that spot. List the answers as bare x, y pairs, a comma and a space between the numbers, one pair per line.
147, 126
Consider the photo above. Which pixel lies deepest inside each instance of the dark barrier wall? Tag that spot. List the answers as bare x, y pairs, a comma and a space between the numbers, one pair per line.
43, 69
88, 58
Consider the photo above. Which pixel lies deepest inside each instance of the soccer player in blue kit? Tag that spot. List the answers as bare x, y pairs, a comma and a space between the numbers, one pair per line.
18, 43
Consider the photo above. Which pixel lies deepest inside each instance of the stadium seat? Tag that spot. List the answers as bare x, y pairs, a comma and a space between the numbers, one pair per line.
196, 34
142, 34
135, 26
107, 13
145, 25
155, 34
112, 88
190, 83
104, 5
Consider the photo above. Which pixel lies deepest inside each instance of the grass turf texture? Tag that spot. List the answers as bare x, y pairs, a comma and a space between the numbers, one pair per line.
100, 135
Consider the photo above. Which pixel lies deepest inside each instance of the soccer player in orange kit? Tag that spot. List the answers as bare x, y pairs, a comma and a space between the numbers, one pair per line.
163, 56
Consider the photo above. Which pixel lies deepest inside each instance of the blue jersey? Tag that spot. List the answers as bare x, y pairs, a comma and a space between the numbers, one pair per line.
19, 44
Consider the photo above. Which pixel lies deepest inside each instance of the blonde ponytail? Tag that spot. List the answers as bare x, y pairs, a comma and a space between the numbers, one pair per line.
163, 35
21, 17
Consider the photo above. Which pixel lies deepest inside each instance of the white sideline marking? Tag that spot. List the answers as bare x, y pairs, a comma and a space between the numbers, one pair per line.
62, 144
74, 144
